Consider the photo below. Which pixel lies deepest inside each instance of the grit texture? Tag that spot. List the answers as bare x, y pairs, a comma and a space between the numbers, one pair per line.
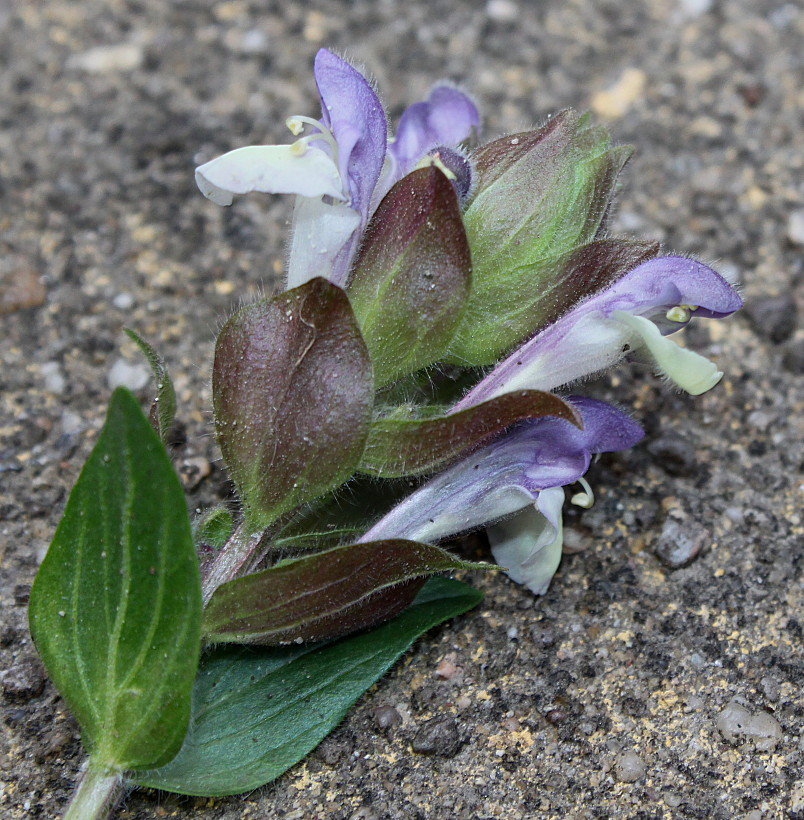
661, 676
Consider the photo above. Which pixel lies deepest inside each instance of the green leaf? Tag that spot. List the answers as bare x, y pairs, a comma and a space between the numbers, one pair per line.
256, 712
163, 407
324, 595
412, 276
213, 528
398, 447
538, 196
116, 605
293, 391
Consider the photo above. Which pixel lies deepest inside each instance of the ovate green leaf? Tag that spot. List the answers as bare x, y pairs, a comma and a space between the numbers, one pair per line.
115, 608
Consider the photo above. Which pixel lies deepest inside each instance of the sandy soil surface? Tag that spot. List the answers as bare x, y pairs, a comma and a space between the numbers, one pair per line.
613, 696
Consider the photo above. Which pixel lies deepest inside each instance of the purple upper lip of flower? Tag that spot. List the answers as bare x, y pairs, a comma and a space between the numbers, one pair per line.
352, 111
592, 336
508, 474
355, 157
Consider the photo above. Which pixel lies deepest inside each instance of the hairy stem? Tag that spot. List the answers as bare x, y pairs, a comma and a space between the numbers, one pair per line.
97, 794
230, 560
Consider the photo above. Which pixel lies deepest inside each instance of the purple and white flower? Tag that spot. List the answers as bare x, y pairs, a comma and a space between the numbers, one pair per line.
522, 472
632, 316
342, 168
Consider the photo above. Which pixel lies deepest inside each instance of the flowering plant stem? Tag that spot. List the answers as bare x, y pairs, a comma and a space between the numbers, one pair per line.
97, 794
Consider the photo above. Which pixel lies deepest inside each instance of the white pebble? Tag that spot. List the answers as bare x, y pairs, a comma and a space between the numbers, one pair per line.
54, 378
106, 59
795, 227
738, 724
123, 301
629, 767
505, 11
132, 376
694, 8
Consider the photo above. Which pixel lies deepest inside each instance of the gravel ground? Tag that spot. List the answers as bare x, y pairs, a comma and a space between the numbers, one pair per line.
637, 688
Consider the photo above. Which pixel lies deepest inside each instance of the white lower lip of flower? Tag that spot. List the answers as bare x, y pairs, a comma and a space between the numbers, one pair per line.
528, 546
273, 169
320, 231
689, 370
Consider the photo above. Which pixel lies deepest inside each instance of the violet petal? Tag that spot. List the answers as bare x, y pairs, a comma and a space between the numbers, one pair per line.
446, 117
587, 340
353, 112
508, 474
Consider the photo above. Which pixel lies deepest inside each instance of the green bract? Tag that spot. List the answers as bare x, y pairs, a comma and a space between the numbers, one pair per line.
293, 391
538, 197
412, 276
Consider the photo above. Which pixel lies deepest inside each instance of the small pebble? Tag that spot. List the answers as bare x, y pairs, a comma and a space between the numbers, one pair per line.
71, 423
613, 102
438, 736
795, 227
680, 544
770, 688
365, 813
629, 767
23, 681
55, 742
54, 378
447, 669
123, 301
20, 287
738, 725
386, 717
793, 357
329, 751
193, 471
672, 799
694, 8
555, 716
108, 59
124, 374
504, 11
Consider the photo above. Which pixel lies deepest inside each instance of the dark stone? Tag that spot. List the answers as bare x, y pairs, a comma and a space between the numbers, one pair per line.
22, 592
634, 706
793, 357
674, 455
680, 543
23, 681
54, 742
774, 317
438, 736
329, 751
386, 717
